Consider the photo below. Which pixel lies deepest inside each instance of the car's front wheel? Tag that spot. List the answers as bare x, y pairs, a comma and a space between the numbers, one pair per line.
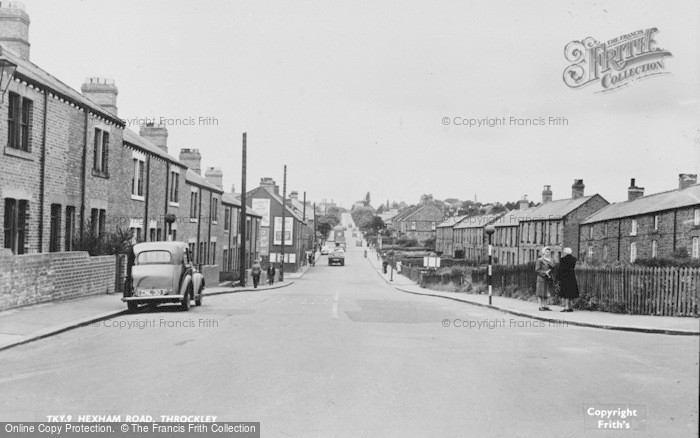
132, 307
185, 304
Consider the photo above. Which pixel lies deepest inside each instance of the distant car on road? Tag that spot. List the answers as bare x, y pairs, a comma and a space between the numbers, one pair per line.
358, 243
325, 249
163, 272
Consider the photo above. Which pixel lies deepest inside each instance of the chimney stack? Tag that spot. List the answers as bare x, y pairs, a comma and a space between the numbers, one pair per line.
156, 134
686, 180
425, 199
634, 192
547, 194
294, 195
233, 189
215, 176
270, 184
102, 91
577, 189
192, 159
14, 28
524, 203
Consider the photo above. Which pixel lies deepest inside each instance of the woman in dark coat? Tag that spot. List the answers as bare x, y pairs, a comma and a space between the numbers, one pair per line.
545, 285
271, 274
568, 287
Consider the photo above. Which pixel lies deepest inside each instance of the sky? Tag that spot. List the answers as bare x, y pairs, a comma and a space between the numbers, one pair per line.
352, 96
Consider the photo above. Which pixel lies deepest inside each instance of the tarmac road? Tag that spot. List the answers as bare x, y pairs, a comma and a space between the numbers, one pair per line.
341, 353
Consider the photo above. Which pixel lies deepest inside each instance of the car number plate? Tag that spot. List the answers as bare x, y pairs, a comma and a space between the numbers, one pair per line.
150, 292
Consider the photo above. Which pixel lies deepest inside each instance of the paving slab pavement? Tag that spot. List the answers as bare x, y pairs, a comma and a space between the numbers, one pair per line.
25, 324
671, 325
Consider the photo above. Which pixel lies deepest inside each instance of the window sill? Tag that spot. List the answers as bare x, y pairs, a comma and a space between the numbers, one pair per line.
138, 198
100, 174
174, 204
18, 153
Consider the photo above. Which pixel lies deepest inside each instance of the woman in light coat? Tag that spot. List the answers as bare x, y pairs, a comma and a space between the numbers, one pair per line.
545, 285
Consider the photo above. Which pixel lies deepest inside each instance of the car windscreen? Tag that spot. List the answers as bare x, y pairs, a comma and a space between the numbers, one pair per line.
153, 257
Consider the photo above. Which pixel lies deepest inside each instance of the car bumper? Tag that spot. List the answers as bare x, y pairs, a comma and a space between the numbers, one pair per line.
154, 299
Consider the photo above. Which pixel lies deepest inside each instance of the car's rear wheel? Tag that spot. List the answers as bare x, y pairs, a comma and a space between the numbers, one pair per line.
185, 304
198, 300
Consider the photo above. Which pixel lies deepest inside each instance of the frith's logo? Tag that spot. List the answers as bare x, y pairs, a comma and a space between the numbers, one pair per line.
615, 63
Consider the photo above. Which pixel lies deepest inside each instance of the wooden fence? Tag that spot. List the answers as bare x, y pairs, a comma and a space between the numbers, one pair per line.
666, 291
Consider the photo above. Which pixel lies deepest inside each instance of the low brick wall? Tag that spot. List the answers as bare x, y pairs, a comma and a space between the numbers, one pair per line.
38, 278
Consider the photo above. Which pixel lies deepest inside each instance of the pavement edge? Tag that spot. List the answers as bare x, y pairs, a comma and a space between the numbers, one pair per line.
576, 323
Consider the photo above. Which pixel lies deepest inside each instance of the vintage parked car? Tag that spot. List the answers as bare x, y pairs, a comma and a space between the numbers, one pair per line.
163, 272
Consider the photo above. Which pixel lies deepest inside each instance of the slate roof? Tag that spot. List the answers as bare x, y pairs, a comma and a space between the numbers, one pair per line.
404, 214
477, 221
555, 209
452, 221
193, 178
35, 75
278, 198
145, 145
672, 199
513, 217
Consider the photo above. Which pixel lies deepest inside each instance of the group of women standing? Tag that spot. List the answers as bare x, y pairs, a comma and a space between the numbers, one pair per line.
556, 276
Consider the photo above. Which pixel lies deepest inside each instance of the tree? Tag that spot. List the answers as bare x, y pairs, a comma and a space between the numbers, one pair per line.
362, 215
368, 200
326, 224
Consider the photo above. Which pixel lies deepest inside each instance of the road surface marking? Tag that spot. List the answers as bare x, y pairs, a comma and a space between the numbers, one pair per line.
34, 374
335, 306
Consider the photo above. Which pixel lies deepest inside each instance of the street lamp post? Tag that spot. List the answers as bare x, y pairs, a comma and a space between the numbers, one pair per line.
489, 231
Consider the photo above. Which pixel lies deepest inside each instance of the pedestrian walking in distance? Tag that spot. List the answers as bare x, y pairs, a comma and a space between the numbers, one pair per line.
545, 284
568, 287
271, 274
256, 270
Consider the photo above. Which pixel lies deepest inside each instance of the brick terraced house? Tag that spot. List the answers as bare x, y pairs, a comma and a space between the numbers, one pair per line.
444, 235
69, 166
506, 237
653, 226
556, 223
419, 222
471, 239
267, 201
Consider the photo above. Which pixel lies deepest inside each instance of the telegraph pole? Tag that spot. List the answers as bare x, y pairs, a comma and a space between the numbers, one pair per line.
284, 219
242, 221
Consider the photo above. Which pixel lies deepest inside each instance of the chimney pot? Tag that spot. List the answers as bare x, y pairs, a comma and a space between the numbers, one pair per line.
102, 91
634, 192
577, 189
524, 203
215, 176
14, 28
686, 180
158, 135
192, 159
547, 194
